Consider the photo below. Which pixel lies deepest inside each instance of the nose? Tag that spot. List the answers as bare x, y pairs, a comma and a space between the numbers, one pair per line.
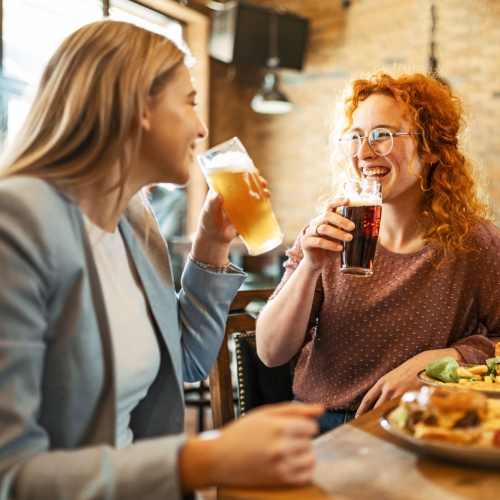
202, 131
365, 151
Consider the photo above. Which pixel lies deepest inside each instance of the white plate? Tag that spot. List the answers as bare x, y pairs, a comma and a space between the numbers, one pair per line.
423, 377
470, 455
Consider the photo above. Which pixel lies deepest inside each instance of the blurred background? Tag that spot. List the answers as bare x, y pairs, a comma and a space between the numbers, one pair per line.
270, 72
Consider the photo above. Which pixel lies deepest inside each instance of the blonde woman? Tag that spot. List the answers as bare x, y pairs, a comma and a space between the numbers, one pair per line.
94, 342
435, 290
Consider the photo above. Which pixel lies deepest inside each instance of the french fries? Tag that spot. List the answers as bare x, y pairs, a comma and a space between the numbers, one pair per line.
479, 370
481, 377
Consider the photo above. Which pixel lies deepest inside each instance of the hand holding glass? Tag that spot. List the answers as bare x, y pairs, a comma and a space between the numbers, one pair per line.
230, 172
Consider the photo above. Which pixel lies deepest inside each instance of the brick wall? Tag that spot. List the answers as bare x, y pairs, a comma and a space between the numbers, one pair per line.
292, 150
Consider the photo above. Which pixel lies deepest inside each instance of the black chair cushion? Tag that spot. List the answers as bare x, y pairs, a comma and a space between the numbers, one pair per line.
257, 383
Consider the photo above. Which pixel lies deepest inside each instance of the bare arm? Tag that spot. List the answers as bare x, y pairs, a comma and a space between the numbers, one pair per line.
282, 324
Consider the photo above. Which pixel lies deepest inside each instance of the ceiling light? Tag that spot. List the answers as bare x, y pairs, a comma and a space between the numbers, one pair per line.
270, 99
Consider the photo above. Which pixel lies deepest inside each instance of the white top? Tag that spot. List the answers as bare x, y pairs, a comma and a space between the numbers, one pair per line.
135, 345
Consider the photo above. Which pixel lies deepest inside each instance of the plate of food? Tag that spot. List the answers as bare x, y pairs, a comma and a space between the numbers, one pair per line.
459, 426
448, 372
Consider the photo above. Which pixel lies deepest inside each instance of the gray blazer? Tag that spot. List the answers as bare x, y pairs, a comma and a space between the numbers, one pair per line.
57, 390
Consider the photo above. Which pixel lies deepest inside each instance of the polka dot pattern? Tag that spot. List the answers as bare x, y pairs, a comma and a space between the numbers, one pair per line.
412, 303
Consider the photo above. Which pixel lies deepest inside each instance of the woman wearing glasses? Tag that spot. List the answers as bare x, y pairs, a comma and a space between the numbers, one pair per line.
435, 292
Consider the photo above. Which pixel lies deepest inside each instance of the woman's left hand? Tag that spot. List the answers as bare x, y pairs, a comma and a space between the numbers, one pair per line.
403, 378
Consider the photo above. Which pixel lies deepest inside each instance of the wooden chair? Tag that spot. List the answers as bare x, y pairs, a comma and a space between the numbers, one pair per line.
257, 384
197, 396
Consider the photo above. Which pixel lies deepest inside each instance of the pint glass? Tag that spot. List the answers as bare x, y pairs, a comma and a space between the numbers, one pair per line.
365, 210
230, 171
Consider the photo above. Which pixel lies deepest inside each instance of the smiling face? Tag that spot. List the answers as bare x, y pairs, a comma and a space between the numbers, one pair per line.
398, 172
171, 129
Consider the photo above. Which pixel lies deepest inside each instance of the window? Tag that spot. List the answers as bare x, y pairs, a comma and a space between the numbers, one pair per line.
24, 57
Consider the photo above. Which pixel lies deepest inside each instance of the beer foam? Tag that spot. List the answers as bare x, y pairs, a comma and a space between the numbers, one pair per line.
357, 200
363, 194
231, 162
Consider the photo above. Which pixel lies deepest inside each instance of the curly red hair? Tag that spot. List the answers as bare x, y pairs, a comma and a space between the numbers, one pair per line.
450, 204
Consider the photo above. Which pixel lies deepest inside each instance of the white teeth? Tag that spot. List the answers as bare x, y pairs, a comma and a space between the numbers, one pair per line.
372, 171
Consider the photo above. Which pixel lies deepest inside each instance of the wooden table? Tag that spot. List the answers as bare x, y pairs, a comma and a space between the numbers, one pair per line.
361, 461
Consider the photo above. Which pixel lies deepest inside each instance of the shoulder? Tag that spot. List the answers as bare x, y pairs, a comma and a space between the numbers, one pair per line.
33, 210
30, 193
484, 256
485, 235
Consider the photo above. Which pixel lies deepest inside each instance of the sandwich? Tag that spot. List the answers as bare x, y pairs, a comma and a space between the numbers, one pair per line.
453, 416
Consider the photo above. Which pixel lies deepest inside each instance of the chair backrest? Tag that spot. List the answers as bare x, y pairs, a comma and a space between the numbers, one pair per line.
257, 384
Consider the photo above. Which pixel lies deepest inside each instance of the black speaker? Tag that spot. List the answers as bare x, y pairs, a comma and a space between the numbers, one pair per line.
241, 35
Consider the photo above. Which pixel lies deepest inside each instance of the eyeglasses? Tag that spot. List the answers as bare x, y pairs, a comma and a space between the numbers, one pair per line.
380, 141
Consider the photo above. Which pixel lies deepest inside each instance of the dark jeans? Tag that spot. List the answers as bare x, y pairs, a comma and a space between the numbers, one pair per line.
333, 418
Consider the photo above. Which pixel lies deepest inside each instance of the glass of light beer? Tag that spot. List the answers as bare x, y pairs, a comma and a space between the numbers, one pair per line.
230, 171
365, 210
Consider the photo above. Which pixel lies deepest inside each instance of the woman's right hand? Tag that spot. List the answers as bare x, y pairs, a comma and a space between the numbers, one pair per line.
325, 234
271, 446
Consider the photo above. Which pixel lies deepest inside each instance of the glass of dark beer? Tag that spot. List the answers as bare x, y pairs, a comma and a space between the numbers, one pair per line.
365, 210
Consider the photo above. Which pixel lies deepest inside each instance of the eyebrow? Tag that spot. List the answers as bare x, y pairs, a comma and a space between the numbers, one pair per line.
192, 93
380, 125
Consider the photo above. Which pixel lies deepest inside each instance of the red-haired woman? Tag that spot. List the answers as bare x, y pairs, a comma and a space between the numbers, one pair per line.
435, 290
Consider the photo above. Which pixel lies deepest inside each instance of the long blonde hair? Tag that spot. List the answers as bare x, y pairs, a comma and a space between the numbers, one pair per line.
87, 110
